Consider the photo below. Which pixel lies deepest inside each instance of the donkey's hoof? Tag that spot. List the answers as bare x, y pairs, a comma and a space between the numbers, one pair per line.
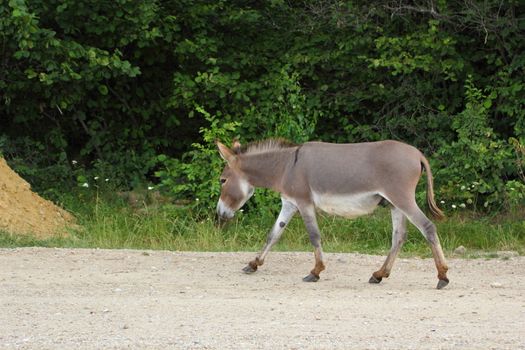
249, 269
311, 278
442, 284
375, 279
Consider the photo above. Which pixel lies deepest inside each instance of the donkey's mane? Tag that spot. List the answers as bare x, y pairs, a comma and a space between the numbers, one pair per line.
267, 145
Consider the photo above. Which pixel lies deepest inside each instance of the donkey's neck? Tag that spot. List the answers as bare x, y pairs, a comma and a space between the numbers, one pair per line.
266, 169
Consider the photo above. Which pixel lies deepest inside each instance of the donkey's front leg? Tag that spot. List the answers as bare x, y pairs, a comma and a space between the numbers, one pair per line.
288, 210
310, 221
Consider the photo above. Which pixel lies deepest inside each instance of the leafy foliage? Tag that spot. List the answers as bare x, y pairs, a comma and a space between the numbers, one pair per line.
476, 165
130, 89
196, 175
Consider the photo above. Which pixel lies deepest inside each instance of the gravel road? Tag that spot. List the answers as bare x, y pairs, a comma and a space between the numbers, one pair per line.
114, 299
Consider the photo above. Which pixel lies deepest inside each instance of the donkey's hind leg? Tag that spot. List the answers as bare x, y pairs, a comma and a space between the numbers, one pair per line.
288, 210
399, 235
428, 229
310, 221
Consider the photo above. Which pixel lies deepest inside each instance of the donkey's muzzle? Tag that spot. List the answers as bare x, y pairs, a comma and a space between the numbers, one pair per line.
224, 212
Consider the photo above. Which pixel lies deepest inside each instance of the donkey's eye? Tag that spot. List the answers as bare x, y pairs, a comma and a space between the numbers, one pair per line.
222, 181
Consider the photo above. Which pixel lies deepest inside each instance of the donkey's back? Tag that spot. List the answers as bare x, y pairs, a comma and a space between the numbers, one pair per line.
353, 169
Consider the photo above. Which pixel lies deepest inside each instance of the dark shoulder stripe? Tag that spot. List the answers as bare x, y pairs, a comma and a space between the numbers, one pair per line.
296, 154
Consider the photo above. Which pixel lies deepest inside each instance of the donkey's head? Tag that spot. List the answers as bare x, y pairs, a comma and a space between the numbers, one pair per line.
235, 188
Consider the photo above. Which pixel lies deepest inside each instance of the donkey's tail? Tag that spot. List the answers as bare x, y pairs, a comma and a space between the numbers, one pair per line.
434, 210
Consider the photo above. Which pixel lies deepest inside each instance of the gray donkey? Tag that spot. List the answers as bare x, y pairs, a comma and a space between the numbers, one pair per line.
342, 179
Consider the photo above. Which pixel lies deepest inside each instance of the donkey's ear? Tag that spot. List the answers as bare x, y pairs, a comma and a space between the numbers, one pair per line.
236, 146
226, 153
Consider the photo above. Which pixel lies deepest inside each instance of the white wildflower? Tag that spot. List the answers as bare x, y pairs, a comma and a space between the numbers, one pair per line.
463, 188
106, 180
150, 188
454, 206
85, 184
462, 205
74, 162
96, 178
442, 202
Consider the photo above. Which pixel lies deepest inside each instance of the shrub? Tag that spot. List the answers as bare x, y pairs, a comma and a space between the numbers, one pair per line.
476, 169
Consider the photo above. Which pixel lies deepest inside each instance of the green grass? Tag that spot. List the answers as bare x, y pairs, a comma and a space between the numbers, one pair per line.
112, 223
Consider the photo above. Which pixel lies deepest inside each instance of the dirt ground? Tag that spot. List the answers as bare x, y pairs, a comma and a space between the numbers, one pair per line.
113, 299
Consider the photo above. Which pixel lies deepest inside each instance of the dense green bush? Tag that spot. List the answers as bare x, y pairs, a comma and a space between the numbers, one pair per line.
196, 175
128, 89
475, 168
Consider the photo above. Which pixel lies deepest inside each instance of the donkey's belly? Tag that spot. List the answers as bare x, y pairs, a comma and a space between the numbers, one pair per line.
347, 205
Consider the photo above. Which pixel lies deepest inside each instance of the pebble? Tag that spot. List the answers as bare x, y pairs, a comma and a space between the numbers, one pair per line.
460, 250
496, 285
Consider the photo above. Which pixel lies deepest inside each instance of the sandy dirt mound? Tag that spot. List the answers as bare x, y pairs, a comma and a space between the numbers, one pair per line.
24, 212
129, 299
